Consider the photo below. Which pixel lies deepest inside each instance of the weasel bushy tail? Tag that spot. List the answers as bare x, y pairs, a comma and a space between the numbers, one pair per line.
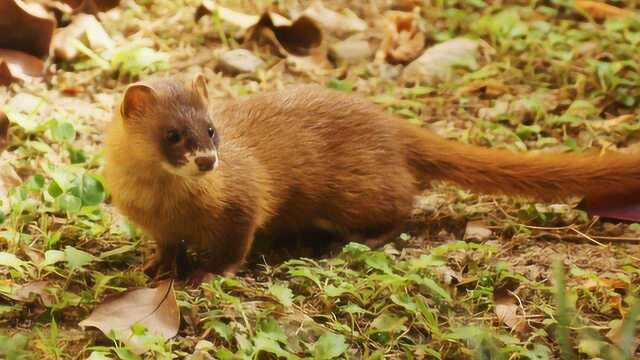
541, 176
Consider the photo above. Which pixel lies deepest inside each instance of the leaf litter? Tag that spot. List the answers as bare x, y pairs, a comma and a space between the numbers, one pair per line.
543, 77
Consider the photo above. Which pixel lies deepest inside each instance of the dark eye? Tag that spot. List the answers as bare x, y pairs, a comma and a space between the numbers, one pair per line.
173, 136
211, 131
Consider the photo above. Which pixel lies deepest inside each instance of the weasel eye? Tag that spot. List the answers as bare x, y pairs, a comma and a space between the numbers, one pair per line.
211, 131
173, 136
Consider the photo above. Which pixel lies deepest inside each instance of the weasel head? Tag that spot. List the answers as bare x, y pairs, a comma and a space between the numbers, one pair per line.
170, 125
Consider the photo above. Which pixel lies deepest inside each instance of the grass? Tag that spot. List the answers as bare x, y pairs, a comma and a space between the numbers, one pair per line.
558, 81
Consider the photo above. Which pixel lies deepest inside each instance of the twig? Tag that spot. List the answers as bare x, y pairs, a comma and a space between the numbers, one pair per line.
587, 236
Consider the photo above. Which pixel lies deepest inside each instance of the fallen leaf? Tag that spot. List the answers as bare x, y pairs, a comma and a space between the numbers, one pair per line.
16, 65
506, 309
4, 131
36, 256
155, 308
491, 87
405, 5
614, 298
612, 123
8, 180
32, 291
403, 39
244, 21
239, 61
335, 22
91, 6
84, 28
600, 10
296, 37
437, 63
477, 230
25, 28
351, 50
605, 283
618, 207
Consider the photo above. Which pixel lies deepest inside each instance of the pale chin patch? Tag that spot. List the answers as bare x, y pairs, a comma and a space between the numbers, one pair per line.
190, 168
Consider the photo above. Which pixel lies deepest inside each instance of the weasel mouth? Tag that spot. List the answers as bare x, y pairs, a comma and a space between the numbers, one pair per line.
205, 163
195, 165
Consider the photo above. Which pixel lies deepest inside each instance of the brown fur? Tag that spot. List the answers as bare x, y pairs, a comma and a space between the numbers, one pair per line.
307, 155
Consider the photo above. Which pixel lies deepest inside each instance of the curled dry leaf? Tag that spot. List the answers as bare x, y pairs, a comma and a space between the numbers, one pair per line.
297, 37
16, 65
506, 309
437, 63
155, 308
600, 10
334, 22
403, 39
84, 28
25, 28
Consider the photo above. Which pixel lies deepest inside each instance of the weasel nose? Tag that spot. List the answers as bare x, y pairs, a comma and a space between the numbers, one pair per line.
205, 163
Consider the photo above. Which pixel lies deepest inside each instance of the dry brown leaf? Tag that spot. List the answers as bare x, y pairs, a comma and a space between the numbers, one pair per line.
25, 28
352, 50
243, 21
4, 131
84, 28
405, 5
615, 299
506, 309
605, 283
600, 10
615, 334
491, 87
32, 291
298, 37
477, 230
36, 256
16, 65
238, 61
334, 22
155, 308
618, 207
403, 39
437, 63
612, 123
8, 176
91, 6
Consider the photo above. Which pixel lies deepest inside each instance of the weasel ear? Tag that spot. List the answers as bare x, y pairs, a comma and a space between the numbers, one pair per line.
200, 86
138, 99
